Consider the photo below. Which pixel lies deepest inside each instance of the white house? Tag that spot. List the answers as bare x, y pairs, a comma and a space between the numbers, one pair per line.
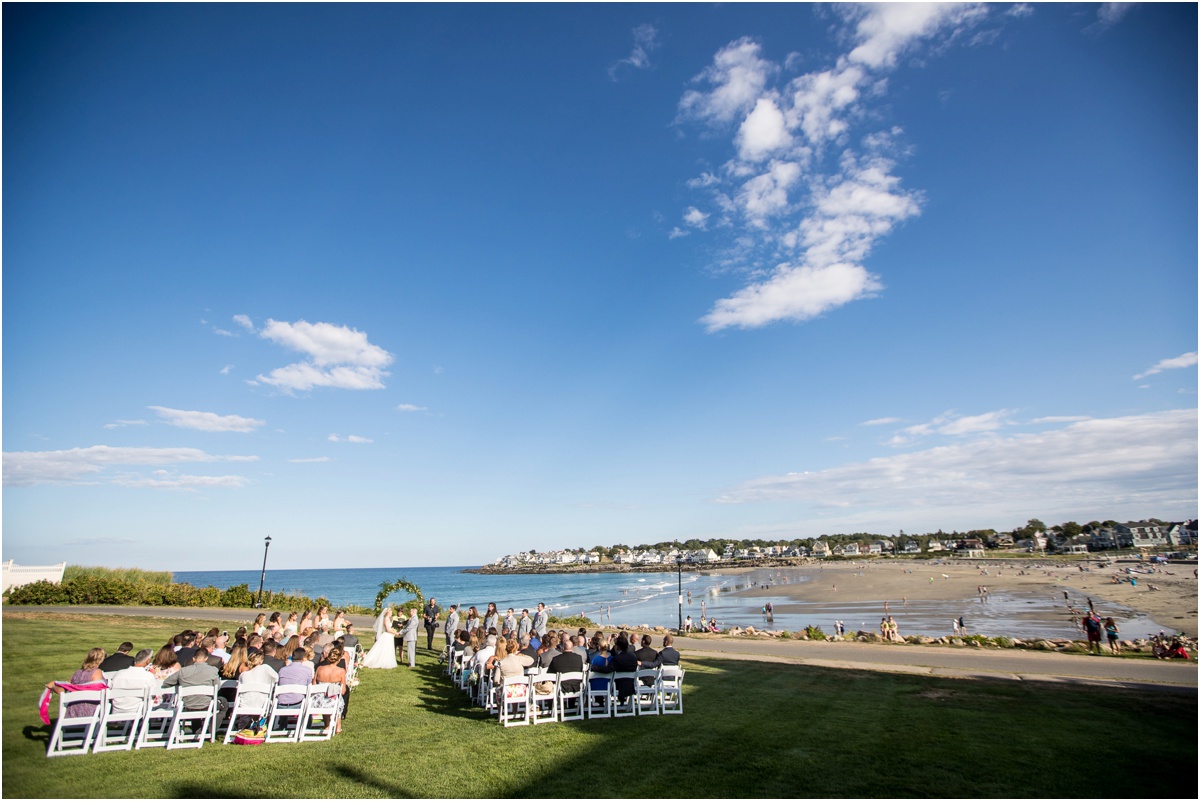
820, 549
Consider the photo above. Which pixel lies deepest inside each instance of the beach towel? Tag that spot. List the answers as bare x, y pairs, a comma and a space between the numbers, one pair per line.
44, 703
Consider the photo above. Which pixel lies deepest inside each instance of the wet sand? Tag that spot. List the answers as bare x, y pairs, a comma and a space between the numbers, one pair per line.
1173, 605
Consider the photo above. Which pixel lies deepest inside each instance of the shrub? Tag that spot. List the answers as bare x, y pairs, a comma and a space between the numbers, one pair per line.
130, 574
815, 633
785, 635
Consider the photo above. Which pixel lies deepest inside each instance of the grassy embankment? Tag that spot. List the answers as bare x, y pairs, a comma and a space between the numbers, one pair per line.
750, 729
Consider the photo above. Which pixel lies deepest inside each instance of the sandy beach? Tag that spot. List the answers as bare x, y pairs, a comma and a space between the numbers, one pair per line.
1173, 604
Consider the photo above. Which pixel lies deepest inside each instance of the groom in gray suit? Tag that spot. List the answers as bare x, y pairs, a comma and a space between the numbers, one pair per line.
409, 635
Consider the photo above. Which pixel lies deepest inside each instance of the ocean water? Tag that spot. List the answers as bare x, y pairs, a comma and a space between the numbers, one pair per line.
653, 599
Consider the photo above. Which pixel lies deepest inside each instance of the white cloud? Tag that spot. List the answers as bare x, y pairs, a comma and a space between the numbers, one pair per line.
676, 232
789, 196
763, 132
206, 421
338, 357
162, 480
1095, 467
1063, 418
311, 460
695, 218
226, 370
1186, 360
243, 321
880, 421
26, 468
737, 75
1111, 13
350, 438
951, 424
124, 423
409, 407
645, 40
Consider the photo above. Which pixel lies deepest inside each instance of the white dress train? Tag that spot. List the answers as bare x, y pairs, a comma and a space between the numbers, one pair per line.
383, 653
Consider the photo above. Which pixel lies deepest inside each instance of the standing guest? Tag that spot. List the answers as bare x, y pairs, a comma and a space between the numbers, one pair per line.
473, 620
199, 674
451, 624
430, 618
137, 676
120, 660
510, 622
524, 625
1110, 628
409, 635
348, 638
330, 672
271, 656
165, 662
88, 673
274, 627
306, 622
491, 618
339, 624
292, 627
323, 623
540, 621
260, 624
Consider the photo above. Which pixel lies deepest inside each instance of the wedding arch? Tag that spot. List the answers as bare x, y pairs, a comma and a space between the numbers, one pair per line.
386, 589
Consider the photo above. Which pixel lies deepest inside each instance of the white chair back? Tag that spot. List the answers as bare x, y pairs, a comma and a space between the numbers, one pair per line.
325, 702
181, 736
74, 735
571, 703
123, 709
284, 720
253, 700
513, 701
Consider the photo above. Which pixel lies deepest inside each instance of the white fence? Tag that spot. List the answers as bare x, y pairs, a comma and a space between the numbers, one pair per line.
16, 575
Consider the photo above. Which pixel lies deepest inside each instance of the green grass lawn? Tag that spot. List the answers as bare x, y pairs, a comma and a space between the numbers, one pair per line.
750, 730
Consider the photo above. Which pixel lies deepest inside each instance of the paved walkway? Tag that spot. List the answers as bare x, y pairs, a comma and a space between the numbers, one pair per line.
946, 661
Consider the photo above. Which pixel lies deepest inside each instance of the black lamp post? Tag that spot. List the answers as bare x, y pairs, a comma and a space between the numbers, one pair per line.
679, 572
263, 578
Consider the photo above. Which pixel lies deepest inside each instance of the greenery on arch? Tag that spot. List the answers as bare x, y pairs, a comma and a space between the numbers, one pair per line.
386, 589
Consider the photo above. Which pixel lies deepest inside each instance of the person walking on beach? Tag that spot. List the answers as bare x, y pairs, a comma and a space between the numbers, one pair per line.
956, 629
1110, 628
962, 626
430, 618
1091, 625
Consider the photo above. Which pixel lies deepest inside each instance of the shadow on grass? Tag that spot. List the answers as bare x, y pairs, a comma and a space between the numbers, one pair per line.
389, 789
439, 695
38, 734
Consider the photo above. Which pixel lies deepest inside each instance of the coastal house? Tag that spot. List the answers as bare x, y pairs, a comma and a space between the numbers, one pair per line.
565, 558
912, 546
1001, 540
1104, 539
1143, 535
820, 549
703, 555
846, 549
874, 548
934, 545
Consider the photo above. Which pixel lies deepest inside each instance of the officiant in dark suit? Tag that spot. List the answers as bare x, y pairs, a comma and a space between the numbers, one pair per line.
430, 620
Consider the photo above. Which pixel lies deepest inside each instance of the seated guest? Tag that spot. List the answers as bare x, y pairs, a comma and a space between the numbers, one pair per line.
199, 674
548, 651
515, 662
256, 673
210, 644
646, 655
526, 645
221, 647
271, 656
187, 647
285, 651
88, 673
581, 647
668, 655
567, 662
165, 662
137, 676
348, 638
498, 653
600, 663
330, 672
624, 661
297, 672
118, 661
254, 643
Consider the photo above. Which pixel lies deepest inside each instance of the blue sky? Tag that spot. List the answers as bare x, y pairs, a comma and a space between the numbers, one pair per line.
422, 285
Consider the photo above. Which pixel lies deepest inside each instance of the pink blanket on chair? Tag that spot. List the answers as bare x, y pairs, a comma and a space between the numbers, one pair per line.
44, 703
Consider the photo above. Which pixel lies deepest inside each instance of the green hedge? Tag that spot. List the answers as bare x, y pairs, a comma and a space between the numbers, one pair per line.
94, 590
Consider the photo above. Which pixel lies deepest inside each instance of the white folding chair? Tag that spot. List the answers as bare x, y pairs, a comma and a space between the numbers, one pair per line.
75, 735
124, 709
599, 699
253, 700
226, 684
324, 701
545, 703
182, 736
156, 724
289, 715
670, 690
624, 681
647, 698
571, 702
514, 701
349, 653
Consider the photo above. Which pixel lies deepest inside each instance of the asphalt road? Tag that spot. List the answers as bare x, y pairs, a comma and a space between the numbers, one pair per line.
945, 661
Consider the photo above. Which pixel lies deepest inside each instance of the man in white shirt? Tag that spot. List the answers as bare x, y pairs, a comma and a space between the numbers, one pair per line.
135, 677
218, 649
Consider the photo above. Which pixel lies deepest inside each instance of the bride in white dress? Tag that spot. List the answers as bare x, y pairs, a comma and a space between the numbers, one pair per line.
383, 652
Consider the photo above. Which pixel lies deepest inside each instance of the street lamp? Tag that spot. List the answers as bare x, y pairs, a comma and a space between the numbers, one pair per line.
263, 578
679, 572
